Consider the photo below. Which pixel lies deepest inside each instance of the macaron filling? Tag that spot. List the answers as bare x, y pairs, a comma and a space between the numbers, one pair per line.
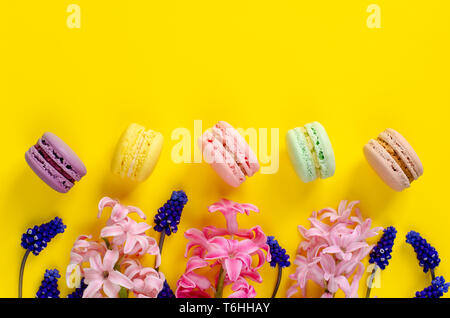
139, 152
219, 133
53, 163
312, 150
397, 158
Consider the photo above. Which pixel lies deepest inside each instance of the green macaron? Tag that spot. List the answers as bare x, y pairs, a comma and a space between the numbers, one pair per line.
310, 151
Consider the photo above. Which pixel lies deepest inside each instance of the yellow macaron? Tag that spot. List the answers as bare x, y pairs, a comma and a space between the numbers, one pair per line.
137, 153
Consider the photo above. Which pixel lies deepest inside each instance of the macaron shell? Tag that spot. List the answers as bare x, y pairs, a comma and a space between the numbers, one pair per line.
123, 154
221, 160
323, 149
406, 152
244, 155
137, 153
385, 166
146, 164
70, 159
46, 172
300, 155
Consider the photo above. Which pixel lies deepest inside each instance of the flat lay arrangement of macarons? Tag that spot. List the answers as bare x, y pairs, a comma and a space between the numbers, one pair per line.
327, 181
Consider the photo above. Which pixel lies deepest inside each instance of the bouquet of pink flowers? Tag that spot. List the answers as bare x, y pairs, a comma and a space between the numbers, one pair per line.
332, 250
111, 267
230, 258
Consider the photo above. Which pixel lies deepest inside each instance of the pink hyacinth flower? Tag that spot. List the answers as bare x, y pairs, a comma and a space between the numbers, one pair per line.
102, 276
132, 235
230, 209
147, 282
332, 250
211, 247
81, 251
242, 289
191, 284
234, 255
119, 212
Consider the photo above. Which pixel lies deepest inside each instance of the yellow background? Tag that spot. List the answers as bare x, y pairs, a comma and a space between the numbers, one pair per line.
259, 64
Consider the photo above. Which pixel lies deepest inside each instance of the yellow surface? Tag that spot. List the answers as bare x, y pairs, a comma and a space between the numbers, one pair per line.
262, 64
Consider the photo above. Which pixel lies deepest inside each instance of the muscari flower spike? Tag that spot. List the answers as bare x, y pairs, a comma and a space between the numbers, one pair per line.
426, 254
36, 239
278, 254
166, 292
381, 253
78, 292
436, 290
168, 216
49, 286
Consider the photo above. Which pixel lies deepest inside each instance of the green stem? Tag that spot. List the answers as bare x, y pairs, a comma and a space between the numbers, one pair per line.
277, 285
372, 276
161, 243
22, 269
433, 275
219, 288
108, 246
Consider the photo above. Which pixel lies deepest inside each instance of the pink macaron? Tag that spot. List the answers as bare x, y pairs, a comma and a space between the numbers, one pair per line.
393, 159
228, 153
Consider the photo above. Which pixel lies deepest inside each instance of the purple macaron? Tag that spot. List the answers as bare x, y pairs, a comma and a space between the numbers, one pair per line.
55, 163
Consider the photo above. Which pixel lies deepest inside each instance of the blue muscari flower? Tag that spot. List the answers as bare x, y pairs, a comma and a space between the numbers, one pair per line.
168, 216
35, 239
381, 253
279, 256
166, 292
78, 292
436, 290
426, 254
49, 286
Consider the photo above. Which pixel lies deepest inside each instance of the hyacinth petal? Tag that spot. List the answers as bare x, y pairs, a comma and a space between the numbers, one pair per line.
216, 254
353, 290
195, 263
133, 209
252, 273
92, 289
112, 230
197, 237
233, 268
341, 207
343, 284
292, 290
328, 265
247, 246
212, 231
105, 202
111, 290
332, 249
200, 281
110, 259
232, 225
96, 262
120, 279
140, 228
92, 275
249, 207
319, 225
356, 246
119, 212
130, 243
